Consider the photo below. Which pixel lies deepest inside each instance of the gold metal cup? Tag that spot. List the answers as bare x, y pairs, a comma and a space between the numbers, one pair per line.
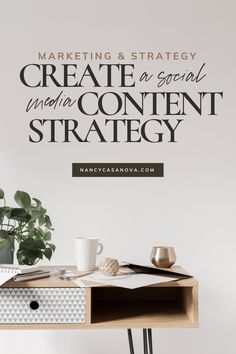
163, 257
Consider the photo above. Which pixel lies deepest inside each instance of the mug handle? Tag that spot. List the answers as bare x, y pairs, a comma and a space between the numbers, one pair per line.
100, 248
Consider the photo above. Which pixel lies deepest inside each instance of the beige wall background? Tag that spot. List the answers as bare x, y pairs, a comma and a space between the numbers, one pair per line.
192, 208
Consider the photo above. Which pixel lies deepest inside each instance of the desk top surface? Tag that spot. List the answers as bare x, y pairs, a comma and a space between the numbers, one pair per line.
54, 282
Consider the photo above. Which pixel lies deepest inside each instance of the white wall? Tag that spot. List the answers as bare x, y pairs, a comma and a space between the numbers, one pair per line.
191, 208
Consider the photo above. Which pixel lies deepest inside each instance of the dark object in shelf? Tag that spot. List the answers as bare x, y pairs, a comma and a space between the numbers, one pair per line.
169, 272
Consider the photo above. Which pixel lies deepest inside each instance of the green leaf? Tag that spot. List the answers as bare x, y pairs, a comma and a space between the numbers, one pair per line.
31, 244
41, 220
37, 201
2, 194
20, 214
25, 244
39, 244
48, 236
48, 253
22, 199
29, 257
52, 246
6, 211
36, 214
48, 221
30, 224
40, 233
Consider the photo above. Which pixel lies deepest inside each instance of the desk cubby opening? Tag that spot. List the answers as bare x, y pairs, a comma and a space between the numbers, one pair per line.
152, 306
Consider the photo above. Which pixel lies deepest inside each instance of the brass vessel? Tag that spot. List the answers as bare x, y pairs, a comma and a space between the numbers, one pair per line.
163, 256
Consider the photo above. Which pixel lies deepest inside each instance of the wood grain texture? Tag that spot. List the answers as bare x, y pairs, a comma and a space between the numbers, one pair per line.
54, 282
172, 304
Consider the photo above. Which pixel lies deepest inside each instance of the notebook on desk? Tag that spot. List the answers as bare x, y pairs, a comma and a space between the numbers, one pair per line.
33, 275
8, 272
173, 272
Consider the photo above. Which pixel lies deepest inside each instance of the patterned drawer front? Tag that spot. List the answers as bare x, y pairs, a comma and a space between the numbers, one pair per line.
42, 305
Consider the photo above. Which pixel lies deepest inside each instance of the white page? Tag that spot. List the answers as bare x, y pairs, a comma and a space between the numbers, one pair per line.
4, 277
7, 272
83, 284
129, 281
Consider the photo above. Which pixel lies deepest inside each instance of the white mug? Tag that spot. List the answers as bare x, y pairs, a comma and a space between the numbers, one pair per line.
86, 250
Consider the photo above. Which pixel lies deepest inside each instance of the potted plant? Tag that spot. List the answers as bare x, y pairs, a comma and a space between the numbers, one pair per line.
29, 225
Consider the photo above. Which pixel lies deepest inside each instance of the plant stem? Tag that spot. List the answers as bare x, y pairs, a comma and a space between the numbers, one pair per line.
8, 224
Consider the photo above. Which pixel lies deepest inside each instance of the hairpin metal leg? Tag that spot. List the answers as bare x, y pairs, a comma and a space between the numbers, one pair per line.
145, 347
147, 341
150, 341
131, 344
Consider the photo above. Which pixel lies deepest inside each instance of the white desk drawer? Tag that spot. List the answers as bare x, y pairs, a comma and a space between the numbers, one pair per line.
42, 305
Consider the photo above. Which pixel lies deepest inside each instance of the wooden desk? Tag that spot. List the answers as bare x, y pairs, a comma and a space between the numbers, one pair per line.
51, 303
